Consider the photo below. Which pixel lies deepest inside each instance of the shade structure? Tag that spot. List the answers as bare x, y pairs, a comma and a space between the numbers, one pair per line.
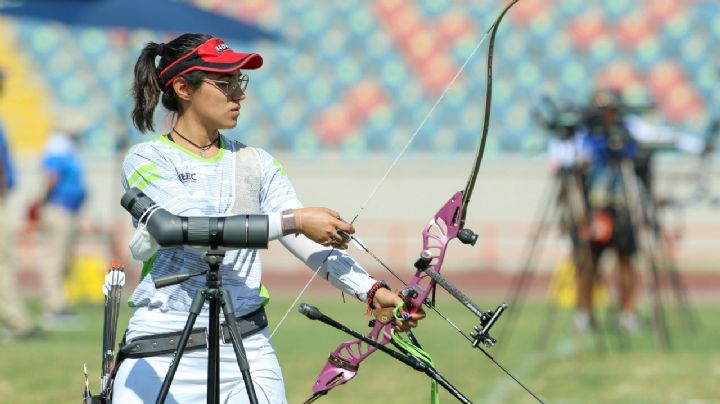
156, 15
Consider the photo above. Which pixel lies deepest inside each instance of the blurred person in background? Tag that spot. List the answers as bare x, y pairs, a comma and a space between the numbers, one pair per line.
612, 137
64, 192
14, 316
607, 143
196, 171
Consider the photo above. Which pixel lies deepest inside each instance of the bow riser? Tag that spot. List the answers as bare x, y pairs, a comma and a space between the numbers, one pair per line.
440, 230
344, 362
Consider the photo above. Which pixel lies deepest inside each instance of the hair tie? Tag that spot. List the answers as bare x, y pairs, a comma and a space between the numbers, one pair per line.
161, 48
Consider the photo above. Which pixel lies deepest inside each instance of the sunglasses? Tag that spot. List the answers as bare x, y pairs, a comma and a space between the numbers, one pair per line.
230, 87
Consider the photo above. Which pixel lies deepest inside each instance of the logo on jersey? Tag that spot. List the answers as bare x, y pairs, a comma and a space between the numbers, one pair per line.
187, 177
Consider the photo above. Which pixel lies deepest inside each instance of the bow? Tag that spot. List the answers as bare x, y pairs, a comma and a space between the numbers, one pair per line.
446, 225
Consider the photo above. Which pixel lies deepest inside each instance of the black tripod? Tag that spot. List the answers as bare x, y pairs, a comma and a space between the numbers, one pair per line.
218, 299
563, 198
643, 210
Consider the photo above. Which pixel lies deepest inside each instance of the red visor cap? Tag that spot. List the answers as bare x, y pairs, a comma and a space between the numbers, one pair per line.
212, 55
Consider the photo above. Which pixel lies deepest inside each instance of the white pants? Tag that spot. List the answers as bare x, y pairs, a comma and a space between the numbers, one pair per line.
139, 380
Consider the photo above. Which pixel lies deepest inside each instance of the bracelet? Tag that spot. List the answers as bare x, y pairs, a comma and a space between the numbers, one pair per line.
287, 220
371, 293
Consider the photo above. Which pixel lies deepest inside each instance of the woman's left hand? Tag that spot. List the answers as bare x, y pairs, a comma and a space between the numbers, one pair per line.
385, 298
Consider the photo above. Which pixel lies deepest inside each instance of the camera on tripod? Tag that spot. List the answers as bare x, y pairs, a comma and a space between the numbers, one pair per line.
562, 121
603, 115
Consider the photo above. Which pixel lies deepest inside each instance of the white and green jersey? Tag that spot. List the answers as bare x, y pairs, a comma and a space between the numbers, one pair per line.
236, 180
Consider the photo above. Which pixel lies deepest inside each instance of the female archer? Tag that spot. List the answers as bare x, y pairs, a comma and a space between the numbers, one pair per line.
194, 170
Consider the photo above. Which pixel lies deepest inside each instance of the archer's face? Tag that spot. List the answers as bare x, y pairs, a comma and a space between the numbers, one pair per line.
217, 101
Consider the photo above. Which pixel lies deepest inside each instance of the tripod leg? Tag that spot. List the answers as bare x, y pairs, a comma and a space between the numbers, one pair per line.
195, 309
522, 281
213, 365
681, 293
586, 269
237, 344
632, 195
676, 281
659, 312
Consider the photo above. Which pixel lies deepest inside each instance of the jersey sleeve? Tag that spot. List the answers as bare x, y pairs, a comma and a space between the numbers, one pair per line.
146, 169
340, 269
276, 191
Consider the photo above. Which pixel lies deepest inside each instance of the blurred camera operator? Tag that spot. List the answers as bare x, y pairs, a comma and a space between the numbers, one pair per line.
587, 152
619, 146
607, 141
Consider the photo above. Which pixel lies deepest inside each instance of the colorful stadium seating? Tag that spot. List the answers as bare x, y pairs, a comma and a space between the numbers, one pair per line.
360, 76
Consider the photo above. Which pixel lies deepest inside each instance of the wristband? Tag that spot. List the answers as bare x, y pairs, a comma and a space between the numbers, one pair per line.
287, 221
371, 293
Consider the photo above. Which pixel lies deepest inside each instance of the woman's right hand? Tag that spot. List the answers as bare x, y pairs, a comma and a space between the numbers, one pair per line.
321, 225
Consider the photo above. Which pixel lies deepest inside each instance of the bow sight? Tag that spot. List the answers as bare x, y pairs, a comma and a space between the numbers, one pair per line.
480, 333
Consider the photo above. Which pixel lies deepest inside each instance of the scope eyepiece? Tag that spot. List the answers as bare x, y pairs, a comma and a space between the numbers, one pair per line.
136, 202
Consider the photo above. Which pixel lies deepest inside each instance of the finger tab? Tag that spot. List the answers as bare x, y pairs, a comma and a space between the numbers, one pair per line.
384, 315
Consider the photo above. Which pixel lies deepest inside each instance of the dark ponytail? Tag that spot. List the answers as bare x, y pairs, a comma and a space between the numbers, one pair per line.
146, 88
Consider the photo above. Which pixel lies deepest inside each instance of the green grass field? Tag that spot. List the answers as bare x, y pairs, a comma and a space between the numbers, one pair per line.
569, 369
